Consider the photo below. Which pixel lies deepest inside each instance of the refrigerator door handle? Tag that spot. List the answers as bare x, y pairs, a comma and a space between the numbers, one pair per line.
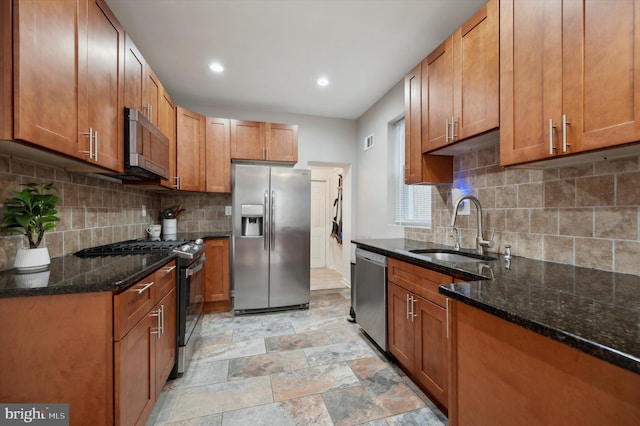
272, 233
265, 233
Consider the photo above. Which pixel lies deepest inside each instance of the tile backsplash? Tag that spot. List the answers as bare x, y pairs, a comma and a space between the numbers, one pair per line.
94, 211
584, 215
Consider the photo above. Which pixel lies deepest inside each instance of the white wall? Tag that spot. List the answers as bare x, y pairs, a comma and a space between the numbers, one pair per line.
371, 216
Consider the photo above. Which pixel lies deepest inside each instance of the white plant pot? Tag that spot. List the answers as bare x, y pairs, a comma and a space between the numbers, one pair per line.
32, 260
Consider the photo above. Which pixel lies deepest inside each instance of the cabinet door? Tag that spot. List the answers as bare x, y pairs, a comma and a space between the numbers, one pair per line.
413, 126
216, 285
135, 386
6, 68
476, 68
166, 340
437, 97
167, 125
601, 69
530, 79
247, 140
190, 129
101, 88
45, 73
281, 142
217, 154
134, 72
152, 91
432, 349
399, 325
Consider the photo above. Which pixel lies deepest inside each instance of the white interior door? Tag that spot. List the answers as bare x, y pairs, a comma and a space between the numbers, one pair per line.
318, 224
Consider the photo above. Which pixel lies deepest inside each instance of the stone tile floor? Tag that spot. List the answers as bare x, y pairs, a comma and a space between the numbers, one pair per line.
301, 367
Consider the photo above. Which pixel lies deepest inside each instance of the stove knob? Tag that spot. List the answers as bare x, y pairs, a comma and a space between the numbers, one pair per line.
199, 241
185, 247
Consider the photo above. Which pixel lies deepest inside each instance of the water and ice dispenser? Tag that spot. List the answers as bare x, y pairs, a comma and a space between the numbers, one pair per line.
252, 220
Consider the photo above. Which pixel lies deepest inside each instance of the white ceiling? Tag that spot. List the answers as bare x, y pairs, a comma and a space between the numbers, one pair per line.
273, 51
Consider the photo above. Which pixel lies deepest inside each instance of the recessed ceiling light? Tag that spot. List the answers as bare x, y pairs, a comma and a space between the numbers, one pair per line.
216, 67
323, 81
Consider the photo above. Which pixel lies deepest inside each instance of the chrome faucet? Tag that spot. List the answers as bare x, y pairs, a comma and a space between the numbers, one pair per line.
480, 242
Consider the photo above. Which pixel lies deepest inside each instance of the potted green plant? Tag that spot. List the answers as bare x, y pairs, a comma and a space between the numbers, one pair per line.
31, 212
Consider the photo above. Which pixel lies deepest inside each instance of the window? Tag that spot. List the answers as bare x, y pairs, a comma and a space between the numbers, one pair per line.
412, 202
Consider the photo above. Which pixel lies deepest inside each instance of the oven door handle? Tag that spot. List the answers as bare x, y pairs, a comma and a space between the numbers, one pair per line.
196, 268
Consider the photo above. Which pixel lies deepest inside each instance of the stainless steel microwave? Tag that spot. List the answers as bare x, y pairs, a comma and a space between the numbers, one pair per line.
146, 153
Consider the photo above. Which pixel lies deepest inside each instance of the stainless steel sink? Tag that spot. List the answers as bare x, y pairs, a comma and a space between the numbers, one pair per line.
452, 256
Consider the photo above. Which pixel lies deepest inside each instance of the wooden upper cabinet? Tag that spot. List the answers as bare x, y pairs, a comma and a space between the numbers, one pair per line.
46, 109
152, 94
437, 97
418, 167
255, 140
281, 142
143, 91
101, 91
412, 127
601, 73
167, 125
247, 140
460, 82
190, 136
217, 155
134, 75
476, 65
76, 109
559, 65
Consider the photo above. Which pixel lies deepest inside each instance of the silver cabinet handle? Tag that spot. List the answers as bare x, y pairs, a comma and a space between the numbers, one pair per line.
564, 133
169, 269
413, 308
265, 229
144, 287
162, 319
453, 129
551, 146
272, 237
95, 150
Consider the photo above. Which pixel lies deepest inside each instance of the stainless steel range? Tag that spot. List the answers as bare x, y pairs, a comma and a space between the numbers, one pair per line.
189, 291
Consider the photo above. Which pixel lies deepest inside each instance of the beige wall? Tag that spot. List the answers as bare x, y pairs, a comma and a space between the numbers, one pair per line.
95, 211
585, 215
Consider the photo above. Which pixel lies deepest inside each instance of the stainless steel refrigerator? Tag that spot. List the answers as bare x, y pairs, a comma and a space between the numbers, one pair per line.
271, 237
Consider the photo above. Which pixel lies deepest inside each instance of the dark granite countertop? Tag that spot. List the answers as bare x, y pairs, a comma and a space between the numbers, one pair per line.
72, 274
594, 311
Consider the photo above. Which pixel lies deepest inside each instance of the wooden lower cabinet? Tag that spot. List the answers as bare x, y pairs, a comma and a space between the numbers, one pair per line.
505, 374
418, 327
59, 349
145, 356
217, 294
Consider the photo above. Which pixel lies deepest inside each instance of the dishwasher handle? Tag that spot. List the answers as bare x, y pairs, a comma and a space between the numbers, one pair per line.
375, 258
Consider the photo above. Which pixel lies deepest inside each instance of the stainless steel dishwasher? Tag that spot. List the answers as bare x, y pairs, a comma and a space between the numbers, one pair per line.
371, 295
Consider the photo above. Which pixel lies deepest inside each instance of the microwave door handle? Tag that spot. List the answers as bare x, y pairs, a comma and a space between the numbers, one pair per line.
265, 232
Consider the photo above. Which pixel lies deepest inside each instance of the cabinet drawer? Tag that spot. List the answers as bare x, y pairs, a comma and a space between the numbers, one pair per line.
421, 281
165, 278
133, 304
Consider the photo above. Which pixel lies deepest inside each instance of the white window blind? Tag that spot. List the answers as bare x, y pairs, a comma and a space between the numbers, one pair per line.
413, 202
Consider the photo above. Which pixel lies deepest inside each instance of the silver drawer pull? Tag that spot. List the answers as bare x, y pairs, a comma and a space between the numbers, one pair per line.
144, 288
169, 269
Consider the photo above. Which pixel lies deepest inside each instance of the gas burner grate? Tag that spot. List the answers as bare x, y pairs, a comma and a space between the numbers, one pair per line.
131, 247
